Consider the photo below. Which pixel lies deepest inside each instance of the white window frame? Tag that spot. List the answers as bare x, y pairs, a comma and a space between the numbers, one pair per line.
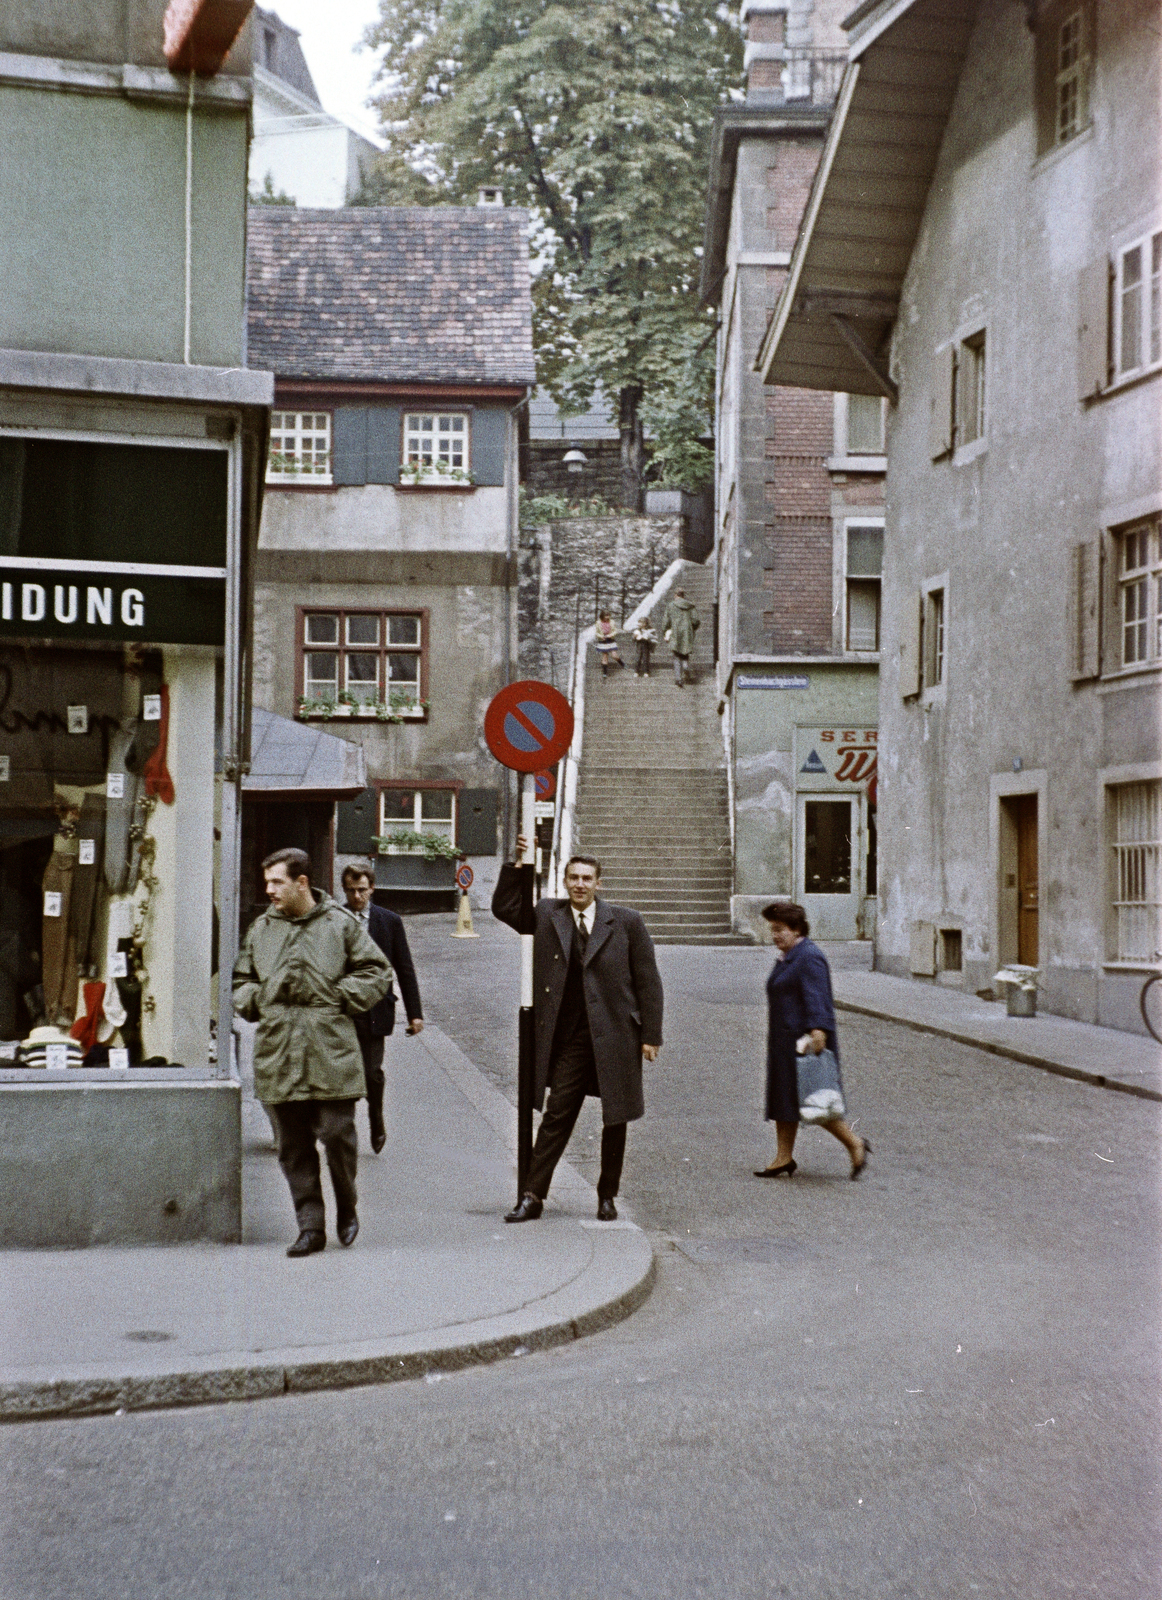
934, 638
1147, 351
848, 448
970, 391
1071, 77
448, 459
305, 462
1136, 871
850, 525
1139, 589
443, 827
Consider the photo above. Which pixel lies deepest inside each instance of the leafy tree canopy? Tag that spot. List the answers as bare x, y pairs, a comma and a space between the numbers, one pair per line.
596, 115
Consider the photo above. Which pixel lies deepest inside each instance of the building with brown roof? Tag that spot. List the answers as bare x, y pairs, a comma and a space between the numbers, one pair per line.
401, 340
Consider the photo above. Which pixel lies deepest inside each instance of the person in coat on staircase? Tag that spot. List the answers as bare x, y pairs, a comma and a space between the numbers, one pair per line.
682, 623
597, 1016
305, 970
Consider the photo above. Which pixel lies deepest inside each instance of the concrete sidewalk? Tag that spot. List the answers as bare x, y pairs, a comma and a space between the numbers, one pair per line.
434, 1282
1128, 1062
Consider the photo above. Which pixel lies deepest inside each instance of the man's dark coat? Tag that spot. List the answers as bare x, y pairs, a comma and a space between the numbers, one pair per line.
623, 992
387, 930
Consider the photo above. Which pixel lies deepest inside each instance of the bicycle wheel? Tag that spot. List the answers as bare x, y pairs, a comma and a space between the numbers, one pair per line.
1152, 1005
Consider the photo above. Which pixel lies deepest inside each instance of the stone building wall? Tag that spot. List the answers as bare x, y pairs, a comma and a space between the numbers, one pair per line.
570, 568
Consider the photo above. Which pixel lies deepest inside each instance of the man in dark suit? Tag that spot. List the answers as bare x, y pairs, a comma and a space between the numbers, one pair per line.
374, 1026
597, 1016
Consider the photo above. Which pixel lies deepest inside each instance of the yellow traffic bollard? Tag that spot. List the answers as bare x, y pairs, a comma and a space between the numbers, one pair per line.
464, 920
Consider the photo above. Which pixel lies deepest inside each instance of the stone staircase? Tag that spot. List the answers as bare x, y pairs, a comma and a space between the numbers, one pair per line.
652, 797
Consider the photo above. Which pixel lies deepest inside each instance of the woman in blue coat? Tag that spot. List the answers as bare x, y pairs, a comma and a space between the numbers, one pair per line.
798, 1003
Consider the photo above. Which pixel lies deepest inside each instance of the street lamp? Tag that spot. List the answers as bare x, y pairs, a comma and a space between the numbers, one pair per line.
575, 460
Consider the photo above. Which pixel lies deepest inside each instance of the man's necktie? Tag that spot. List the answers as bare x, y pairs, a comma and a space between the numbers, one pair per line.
582, 936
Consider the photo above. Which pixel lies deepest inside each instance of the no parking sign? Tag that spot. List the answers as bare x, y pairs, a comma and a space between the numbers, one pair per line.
528, 726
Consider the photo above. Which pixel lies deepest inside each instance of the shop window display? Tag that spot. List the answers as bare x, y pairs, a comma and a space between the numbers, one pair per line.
84, 736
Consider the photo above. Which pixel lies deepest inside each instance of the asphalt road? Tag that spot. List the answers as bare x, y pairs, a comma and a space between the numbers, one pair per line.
939, 1382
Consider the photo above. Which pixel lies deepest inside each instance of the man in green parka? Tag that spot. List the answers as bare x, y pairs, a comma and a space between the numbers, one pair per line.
682, 622
306, 967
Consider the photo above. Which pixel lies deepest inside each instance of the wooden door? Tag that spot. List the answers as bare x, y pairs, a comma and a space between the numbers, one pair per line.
1028, 883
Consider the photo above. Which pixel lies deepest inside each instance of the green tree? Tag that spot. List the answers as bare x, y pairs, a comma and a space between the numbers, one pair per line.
596, 115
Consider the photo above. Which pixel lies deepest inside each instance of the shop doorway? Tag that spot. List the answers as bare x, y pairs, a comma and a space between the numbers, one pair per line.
270, 825
1020, 885
828, 865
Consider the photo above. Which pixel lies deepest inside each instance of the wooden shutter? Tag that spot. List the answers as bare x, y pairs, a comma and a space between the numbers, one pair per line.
1085, 611
355, 822
940, 427
383, 444
349, 445
909, 642
1093, 328
476, 822
489, 446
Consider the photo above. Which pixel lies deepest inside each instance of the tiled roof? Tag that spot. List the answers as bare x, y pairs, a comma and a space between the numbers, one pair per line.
436, 294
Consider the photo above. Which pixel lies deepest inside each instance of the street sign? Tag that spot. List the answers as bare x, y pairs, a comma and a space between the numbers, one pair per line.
464, 876
544, 810
528, 726
546, 785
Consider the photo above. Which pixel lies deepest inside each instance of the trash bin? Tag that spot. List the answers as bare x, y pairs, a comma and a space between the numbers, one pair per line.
1020, 986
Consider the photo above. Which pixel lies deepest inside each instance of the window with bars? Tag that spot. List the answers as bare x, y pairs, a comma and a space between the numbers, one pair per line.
419, 810
368, 663
1139, 556
1137, 871
865, 560
435, 444
300, 447
1138, 306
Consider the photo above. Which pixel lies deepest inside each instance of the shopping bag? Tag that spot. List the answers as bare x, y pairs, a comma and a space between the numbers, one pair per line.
820, 1090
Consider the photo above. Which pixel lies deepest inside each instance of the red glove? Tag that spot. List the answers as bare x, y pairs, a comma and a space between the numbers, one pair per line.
155, 773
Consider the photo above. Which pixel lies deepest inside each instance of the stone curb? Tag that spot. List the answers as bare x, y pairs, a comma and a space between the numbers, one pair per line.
1098, 1079
264, 1380
617, 1280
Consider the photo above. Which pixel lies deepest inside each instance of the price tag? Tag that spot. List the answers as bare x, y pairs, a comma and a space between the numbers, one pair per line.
118, 965
88, 853
151, 708
118, 1059
52, 903
5, 769
115, 786
56, 1057
78, 719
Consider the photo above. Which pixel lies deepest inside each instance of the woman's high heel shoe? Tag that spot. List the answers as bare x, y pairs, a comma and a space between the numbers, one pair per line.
857, 1167
787, 1170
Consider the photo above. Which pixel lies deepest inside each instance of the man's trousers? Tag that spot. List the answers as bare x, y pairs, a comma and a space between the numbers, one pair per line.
373, 1077
332, 1123
574, 1076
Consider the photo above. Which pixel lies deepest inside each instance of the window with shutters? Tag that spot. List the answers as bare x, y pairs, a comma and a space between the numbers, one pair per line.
1136, 815
362, 663
971, 373
864, 565
410, 815
300, 447
435, 448
1064, 66
1139, 594
1138, 306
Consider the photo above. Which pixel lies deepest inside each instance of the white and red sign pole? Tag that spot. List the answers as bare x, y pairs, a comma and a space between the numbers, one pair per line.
528, 726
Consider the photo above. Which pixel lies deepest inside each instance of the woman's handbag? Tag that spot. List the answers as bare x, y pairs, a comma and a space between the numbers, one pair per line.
820, 1091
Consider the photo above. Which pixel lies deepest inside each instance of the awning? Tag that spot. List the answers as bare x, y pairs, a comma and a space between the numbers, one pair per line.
834, 319
298, 760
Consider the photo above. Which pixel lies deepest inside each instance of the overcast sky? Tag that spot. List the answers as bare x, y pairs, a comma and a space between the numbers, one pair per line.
330, 30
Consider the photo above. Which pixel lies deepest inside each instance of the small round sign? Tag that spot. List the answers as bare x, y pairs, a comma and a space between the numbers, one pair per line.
528, 726
546, 785
464, 876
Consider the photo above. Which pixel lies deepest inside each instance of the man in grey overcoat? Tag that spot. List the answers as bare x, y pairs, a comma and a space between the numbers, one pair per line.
597, 1015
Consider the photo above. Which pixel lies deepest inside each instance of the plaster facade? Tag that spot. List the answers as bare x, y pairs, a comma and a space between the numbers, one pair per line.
995, 525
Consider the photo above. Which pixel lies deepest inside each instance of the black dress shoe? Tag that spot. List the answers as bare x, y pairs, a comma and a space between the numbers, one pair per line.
528, 1209
606, 1211
378, 1138
308, 1243
345, 1231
